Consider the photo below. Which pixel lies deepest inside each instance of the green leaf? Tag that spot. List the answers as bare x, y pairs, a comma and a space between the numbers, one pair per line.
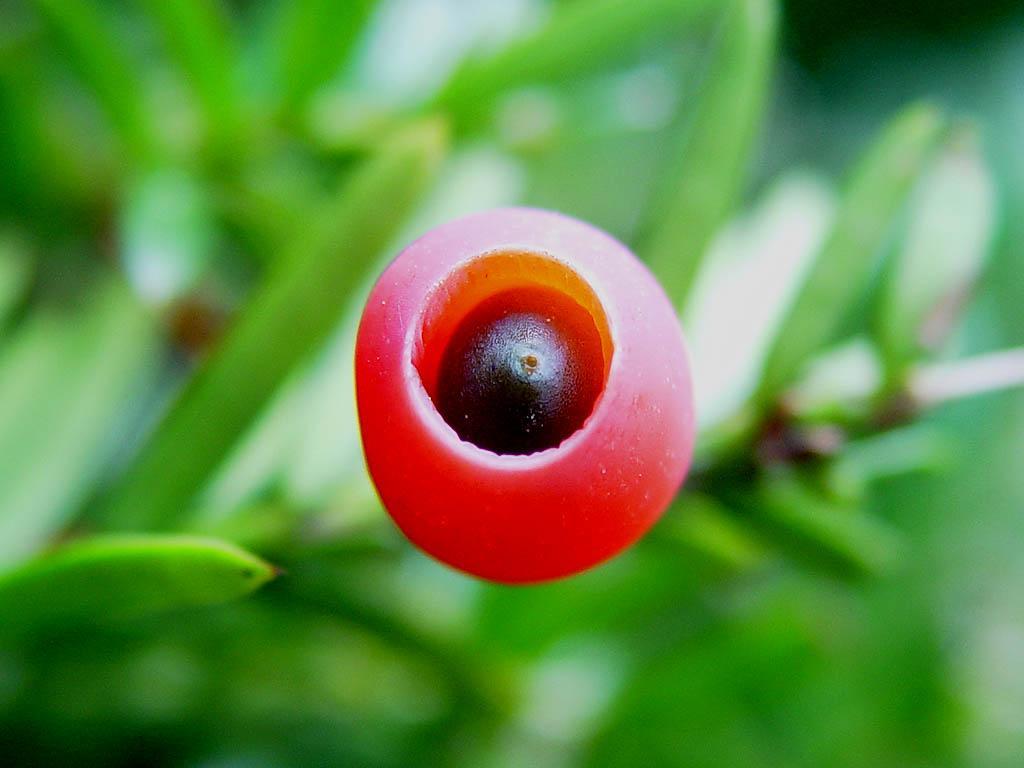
291, 315
100, 59
706, 175
316, 38
820, 532
580, 37
15, 274
705, 525
951, 229
872, 204
25, 145
46, 163
920, 447
167, 233
28, 360
122, 577
839, 387
199, 36
65, 384
746, 283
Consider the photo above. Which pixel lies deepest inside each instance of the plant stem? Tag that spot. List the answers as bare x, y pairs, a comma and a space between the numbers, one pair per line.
941, 382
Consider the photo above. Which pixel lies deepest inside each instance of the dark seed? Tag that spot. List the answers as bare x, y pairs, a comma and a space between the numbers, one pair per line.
521, 372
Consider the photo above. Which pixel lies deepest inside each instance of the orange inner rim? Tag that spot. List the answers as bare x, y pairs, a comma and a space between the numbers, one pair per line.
487, 276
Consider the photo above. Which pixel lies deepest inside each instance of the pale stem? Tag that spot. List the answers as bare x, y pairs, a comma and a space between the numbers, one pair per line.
941, 382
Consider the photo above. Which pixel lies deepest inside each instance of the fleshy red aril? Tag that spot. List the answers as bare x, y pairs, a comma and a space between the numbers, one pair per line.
524, 395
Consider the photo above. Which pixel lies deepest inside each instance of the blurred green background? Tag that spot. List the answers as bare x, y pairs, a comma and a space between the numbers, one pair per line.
195, 196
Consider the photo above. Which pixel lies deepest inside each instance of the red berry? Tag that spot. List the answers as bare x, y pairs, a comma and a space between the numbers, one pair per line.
524, 395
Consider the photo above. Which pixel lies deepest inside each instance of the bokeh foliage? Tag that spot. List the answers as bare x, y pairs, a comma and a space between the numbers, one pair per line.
194, 198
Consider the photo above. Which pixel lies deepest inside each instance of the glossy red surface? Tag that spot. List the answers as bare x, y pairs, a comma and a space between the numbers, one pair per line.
539, 516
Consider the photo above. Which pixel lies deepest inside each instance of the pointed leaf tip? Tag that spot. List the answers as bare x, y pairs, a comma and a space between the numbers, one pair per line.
123, 577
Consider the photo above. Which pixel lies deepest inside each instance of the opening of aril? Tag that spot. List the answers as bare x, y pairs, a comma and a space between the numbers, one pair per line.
514, 351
